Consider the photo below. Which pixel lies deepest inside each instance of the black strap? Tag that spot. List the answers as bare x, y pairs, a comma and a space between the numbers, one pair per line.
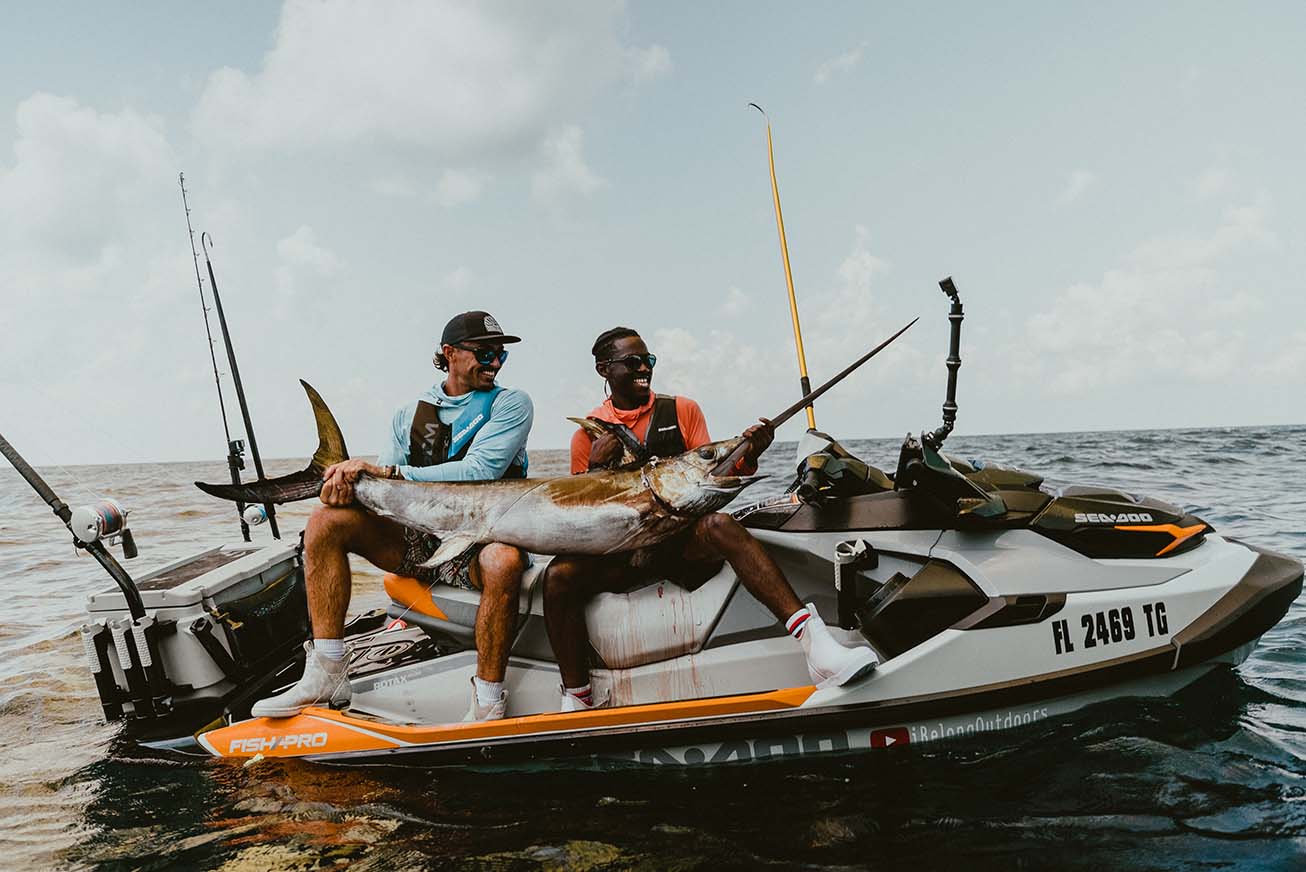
428, 441
428, 438
664, 438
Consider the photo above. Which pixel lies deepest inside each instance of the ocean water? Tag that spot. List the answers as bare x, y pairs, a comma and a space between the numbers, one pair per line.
1214, 778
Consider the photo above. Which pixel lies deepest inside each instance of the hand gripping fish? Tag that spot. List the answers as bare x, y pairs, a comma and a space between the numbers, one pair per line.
600, 512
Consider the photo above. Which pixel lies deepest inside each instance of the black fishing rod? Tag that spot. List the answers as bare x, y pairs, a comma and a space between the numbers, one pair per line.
235, 447
103, 520
205, 241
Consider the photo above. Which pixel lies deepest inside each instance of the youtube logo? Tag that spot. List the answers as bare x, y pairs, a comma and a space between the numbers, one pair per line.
890, 737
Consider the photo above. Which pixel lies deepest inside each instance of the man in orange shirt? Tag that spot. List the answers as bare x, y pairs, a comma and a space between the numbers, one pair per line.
669, 426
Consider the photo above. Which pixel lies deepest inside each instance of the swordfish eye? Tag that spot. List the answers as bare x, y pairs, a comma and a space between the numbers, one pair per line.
707, 453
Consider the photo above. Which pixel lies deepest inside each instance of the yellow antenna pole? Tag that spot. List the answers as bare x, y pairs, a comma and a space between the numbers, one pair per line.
789, 276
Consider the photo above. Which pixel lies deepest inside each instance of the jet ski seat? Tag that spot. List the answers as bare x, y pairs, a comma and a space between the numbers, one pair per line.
651, 623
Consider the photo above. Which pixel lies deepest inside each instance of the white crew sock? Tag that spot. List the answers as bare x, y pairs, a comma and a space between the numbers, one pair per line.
797, 622
488, 692
331, 649
583, 693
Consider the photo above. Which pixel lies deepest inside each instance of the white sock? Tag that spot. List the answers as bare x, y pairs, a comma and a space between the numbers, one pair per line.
488, 692
331, 649
797, 621
583, 693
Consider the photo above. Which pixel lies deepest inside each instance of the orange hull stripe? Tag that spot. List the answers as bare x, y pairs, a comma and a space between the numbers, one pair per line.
1180, 534
412, 594
345, 733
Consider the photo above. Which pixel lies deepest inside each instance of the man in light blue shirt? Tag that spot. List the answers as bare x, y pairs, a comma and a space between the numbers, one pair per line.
465, 428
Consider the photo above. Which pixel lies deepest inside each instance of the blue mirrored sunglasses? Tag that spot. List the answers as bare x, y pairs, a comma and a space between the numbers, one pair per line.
486, 356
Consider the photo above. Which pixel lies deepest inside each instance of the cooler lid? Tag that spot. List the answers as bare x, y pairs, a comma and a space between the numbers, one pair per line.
188, 581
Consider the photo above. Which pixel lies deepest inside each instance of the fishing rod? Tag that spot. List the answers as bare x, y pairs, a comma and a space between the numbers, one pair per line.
235, 447
205, 241
91, 527
804, 382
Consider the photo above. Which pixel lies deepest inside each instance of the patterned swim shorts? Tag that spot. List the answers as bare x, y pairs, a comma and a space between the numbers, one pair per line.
418, 548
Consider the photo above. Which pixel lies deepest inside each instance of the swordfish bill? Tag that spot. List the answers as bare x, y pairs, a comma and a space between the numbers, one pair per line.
810, 398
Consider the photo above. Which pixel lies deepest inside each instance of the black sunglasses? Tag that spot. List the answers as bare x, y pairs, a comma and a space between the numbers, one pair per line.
486, 356
632, 361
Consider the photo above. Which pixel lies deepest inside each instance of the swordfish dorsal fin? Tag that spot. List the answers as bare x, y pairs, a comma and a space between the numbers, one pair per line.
302, 485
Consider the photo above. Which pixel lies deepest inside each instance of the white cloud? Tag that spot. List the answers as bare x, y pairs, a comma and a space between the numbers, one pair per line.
564, 171
457, 187
96, 274
301, 249
647, 64
1077, 183
300, 253
1213, 182
733, 376
720, 370
1288, 360
394, 186
843, 63
454, 79
458, 279
78, 175
1168, 311
735, 303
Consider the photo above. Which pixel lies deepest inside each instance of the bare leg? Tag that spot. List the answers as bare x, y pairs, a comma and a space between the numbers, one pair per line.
498, 572
331, 536
719, 535
569, 584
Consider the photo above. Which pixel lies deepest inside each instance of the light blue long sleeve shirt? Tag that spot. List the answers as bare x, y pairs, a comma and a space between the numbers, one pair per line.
500, 441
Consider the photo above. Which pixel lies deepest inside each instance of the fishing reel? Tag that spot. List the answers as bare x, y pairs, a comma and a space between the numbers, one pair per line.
104, 521
254, 515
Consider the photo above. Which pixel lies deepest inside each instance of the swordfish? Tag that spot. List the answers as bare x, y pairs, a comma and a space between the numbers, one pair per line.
600, 512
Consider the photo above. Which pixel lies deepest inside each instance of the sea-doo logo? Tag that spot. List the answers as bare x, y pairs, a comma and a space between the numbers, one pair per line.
270, 743
1107, 518
470, 425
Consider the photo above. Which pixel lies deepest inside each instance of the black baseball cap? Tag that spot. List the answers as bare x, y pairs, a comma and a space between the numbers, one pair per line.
474, 327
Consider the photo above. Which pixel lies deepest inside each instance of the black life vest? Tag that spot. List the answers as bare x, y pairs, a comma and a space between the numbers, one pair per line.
429, 438
664, 438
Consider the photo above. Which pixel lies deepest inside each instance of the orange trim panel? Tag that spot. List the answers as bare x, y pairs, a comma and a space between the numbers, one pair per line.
323, 731
1180, 534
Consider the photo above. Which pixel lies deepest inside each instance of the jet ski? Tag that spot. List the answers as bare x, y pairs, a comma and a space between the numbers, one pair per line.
992, 600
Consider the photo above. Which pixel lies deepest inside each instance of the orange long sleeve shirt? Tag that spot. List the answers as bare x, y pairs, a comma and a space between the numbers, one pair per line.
693, 427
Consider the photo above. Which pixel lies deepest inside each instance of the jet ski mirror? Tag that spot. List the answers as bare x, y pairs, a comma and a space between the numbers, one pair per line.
827, 470
926, 471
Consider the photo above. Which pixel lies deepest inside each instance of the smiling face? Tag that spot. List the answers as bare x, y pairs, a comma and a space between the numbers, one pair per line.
629, 380
466, 373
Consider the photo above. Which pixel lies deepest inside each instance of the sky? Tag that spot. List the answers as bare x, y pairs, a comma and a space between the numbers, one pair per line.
1117, 190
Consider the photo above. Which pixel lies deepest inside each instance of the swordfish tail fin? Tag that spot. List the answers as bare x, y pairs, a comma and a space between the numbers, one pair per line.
302, 485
